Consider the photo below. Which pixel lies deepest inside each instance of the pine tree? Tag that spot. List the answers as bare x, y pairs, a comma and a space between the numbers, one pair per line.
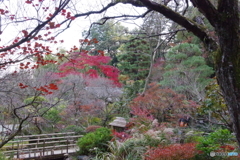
186, 71
135, 59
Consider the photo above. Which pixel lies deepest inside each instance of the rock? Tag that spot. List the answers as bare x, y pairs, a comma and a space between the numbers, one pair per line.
155, 123
151, 133
190, 133
83, 158
168, 130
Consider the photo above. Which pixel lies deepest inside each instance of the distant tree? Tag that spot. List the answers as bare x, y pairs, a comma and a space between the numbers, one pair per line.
109, 34
164, 103
93, 66
134, 61
89, 85
186, 71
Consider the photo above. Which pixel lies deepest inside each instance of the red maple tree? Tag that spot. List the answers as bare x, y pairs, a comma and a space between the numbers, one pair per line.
80, 63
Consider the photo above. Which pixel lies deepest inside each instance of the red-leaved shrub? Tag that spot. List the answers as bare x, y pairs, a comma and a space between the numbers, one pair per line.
92, 128
172, 152
121, 136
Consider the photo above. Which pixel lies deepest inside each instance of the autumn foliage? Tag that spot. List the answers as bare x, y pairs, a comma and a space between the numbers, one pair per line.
163, 103
172, 152
81, 63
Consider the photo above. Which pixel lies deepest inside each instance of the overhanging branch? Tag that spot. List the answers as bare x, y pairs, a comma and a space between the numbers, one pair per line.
190, 25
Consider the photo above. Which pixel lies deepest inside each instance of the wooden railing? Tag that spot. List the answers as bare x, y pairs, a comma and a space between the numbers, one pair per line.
41, 145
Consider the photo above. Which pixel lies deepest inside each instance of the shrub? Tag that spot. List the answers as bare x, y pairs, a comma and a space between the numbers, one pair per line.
94, 140
74, 128
92, 128
213, 142
3, 157
172, 152
133, 148
121, 136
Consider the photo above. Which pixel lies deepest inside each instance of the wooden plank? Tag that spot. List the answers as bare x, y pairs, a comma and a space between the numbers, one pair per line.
29, 150
34, 144
51, 138
40, 135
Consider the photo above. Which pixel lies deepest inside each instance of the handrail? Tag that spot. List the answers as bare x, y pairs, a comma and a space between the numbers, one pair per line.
39, 135
54, 143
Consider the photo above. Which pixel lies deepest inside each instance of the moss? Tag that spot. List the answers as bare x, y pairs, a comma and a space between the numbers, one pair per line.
217, 55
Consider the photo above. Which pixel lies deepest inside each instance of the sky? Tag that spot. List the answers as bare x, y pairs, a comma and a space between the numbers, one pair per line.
73, 34
70, 36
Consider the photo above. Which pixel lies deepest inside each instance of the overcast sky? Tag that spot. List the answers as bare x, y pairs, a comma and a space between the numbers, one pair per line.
72, 35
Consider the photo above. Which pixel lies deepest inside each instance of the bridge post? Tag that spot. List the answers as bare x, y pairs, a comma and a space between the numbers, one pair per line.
67, 145
18, 150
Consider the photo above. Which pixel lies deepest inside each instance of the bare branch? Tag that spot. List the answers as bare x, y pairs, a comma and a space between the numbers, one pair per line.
35, 31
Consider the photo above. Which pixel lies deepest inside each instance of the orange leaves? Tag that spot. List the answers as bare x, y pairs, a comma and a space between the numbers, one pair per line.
88, 41
101, 52
51, 24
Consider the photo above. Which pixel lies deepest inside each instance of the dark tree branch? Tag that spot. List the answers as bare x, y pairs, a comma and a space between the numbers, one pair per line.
207, 9
190, 25
105, 19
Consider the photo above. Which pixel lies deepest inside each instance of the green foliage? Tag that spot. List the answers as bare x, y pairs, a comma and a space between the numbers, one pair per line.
94, 141
53, 115
215, 104
73, 128
131, 90
213, 141
131, 149
134, 60
186, 71
3, 157
110, 36
35, 101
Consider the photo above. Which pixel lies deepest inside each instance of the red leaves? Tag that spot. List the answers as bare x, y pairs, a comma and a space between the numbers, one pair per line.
22, 86
25, 33
175, 151
121, 136
24, 66
93, 66
45, 89
58, 25
72, 18
160, 100
28, 2
53, 86
101, 52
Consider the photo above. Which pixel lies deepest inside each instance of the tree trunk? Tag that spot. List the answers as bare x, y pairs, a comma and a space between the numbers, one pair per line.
228, 60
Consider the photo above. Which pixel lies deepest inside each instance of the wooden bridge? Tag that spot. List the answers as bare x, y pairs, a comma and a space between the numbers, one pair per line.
41, 146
